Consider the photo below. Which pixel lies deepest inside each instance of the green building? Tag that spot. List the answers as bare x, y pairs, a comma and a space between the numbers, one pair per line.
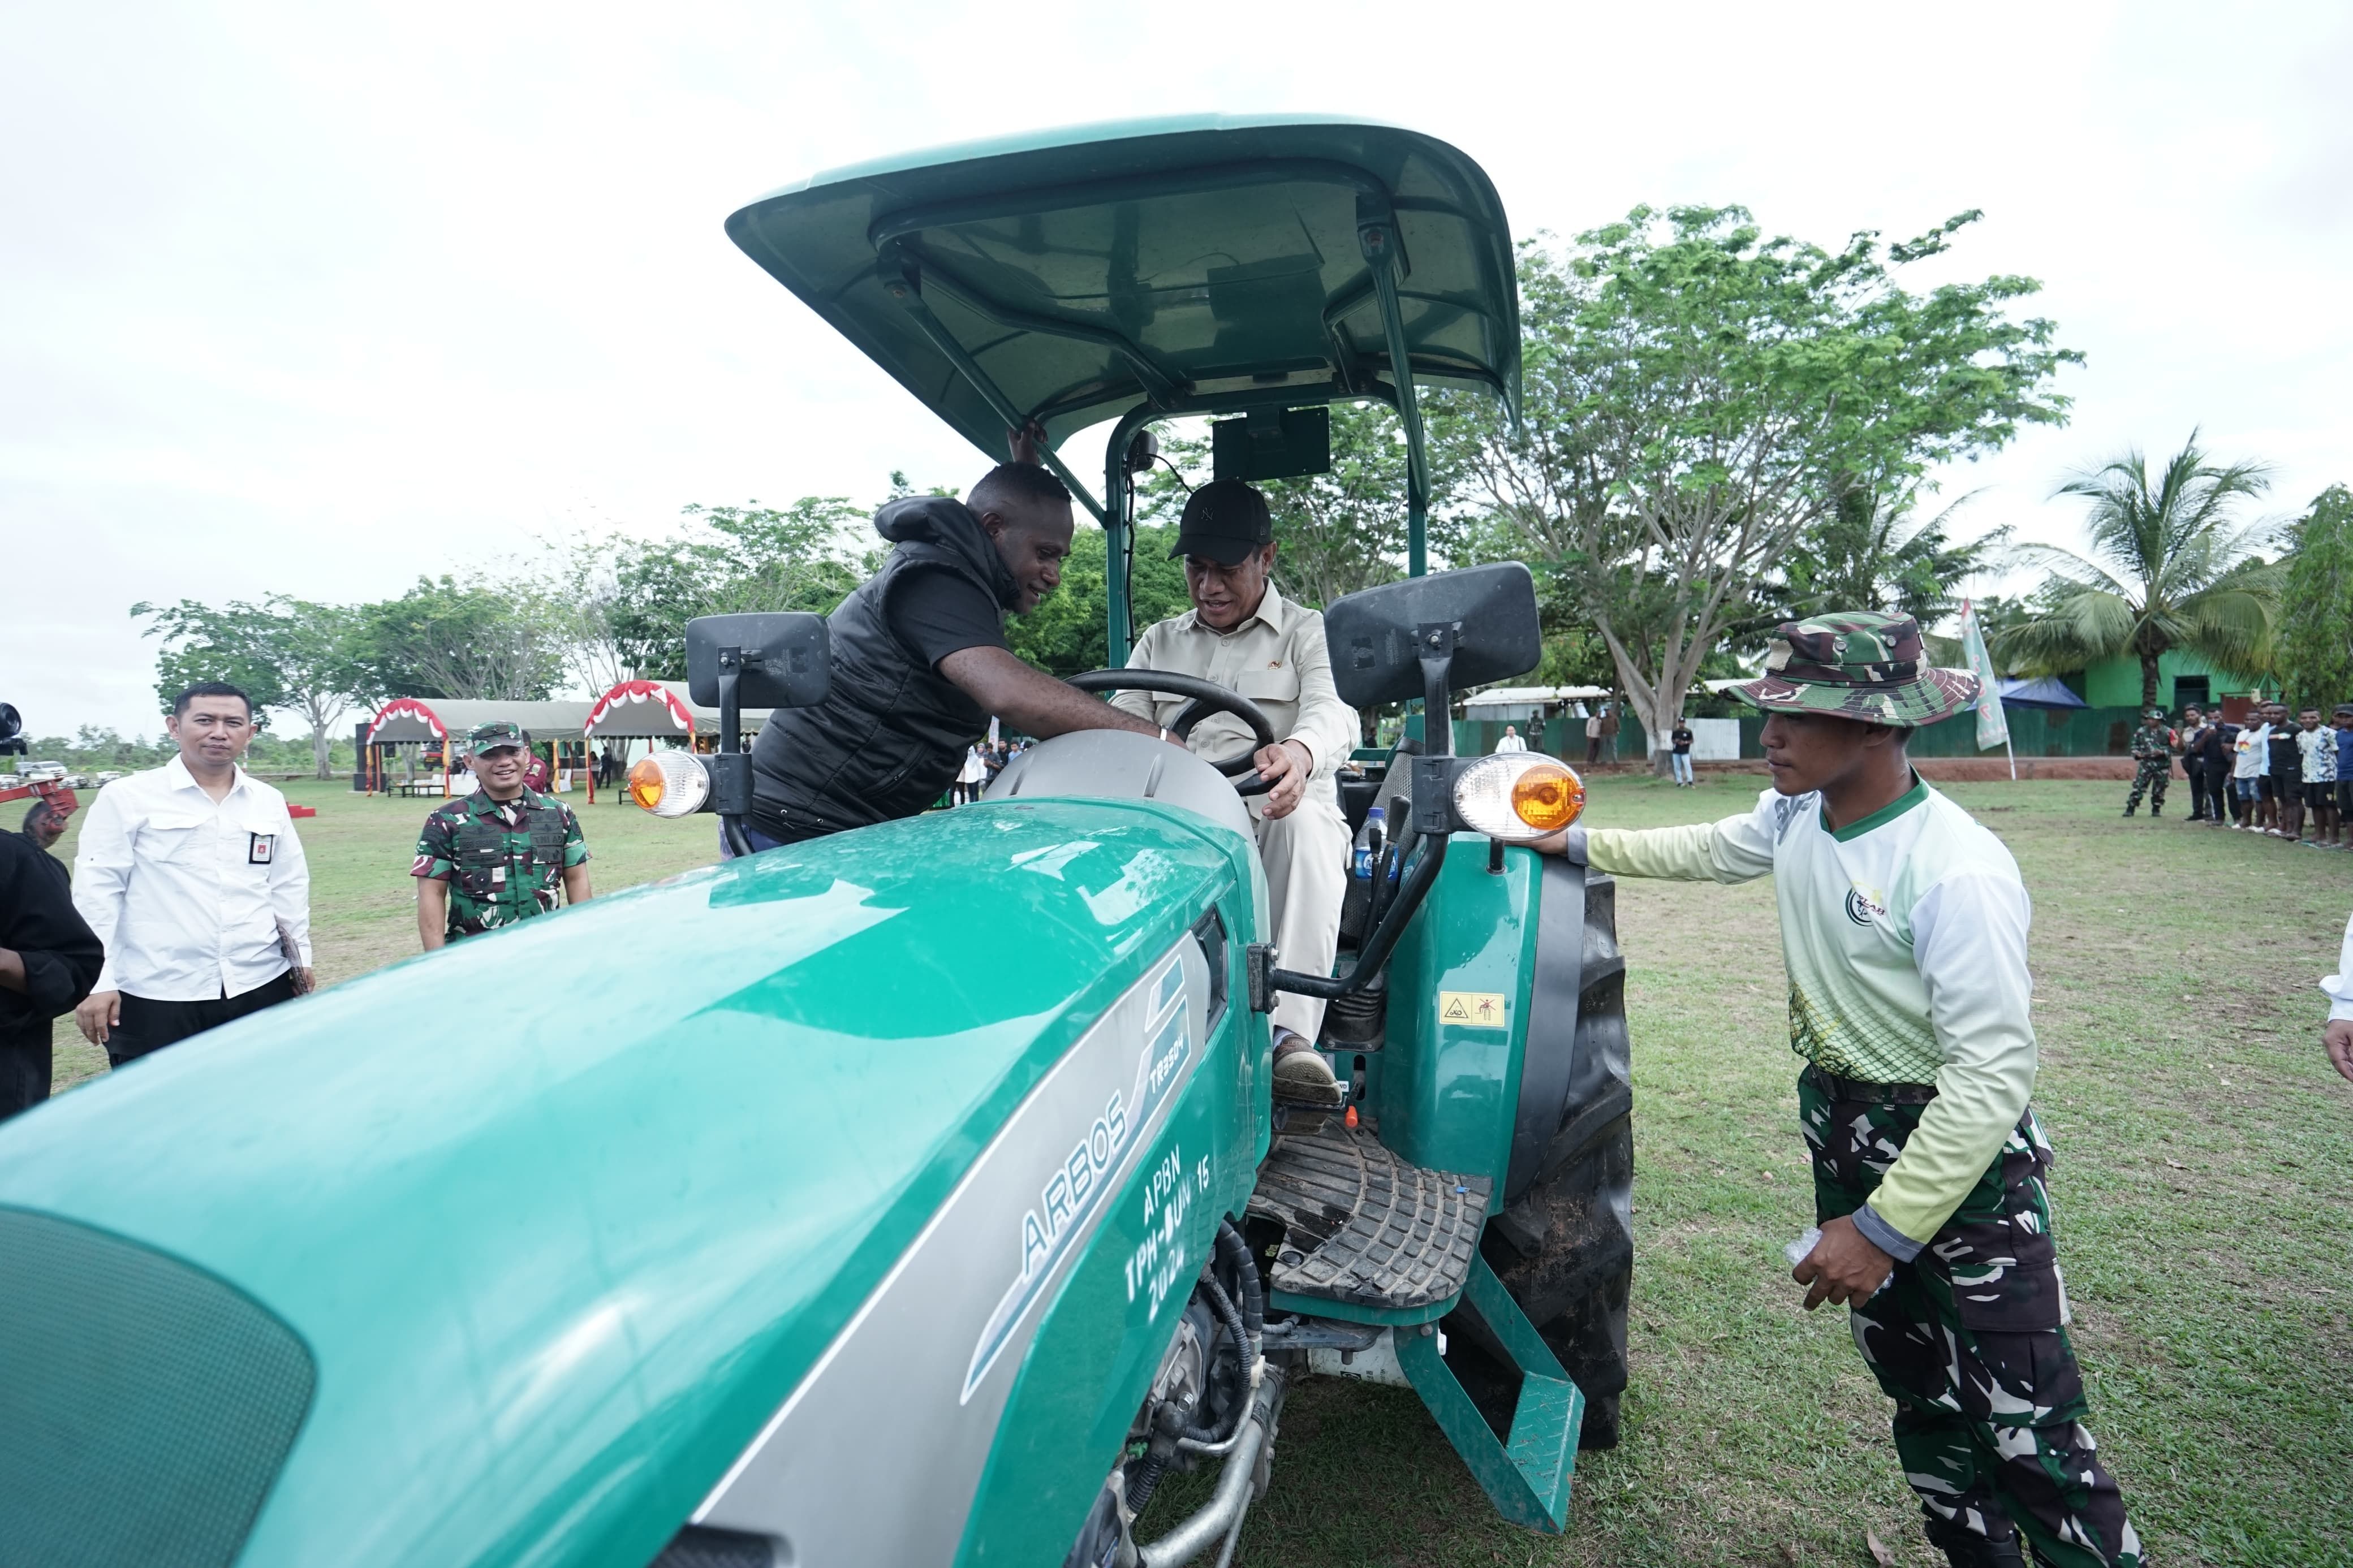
2181, 678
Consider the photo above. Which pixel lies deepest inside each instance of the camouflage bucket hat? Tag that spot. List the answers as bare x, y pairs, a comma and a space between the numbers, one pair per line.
497, 732
1860, 665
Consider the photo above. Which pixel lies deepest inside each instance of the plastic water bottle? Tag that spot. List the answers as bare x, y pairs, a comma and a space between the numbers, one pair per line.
1369, 839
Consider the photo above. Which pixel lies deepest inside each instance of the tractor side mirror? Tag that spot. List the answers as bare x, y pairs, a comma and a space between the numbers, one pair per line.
1482, 620
783, 659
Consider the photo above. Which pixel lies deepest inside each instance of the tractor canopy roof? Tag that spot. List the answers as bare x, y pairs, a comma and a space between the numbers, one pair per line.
1195, 264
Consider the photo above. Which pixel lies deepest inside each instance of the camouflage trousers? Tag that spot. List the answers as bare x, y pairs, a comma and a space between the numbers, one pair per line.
1969, 1341
2150, 779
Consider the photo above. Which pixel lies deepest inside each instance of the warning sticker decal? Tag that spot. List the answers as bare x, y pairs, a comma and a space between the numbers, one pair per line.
1479, 1009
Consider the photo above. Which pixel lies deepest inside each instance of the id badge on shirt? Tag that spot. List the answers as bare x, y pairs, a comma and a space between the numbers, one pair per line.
260, 848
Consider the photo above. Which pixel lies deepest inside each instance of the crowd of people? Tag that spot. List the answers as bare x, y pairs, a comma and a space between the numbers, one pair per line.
982, 761
2284, 774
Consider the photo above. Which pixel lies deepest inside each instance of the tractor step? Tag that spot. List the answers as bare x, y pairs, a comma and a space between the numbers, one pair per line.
1363, 1227
1527, 1473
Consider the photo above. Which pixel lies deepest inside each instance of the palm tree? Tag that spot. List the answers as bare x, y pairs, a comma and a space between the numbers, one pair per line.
2170, 568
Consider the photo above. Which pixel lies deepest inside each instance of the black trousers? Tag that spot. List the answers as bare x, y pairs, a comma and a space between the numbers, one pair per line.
24, 1068
149, 1026
2195, 768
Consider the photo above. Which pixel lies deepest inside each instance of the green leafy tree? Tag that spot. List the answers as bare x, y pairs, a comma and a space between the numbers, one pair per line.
489, 635
1697, 396
288, 653
632, 598
1870, 553
2170, 568
2317, 602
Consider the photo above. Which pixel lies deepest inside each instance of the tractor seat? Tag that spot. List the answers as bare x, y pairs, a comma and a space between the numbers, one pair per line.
1118, 765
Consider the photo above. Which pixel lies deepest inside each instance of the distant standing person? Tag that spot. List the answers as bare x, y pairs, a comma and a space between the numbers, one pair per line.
2286, 765
499, 855
1509, 741
969, 778
2221, 763
2152, 751
2343, 720
2250, 760
2316, 760
49, 958
1680, 739
191, 877
2195, 732
1593, 735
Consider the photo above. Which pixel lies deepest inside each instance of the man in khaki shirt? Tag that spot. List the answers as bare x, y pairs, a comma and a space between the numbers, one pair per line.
1245, 636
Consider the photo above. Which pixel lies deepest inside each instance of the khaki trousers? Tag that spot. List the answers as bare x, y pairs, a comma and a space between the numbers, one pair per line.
1306, 860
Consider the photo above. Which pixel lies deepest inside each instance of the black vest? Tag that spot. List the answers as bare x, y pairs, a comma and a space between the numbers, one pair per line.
891, 733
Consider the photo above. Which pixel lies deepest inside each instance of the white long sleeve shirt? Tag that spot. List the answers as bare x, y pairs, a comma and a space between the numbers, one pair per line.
2339, 985
190, 894
1904, 939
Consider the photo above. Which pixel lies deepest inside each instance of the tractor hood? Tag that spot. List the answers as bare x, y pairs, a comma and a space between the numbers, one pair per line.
558, 1217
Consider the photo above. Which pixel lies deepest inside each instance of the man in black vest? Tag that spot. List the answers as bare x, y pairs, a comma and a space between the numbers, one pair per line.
919, 662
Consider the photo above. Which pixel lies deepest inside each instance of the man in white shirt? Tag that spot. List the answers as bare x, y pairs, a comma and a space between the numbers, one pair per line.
1903, 929
1242, 634
1510, 741
193, 878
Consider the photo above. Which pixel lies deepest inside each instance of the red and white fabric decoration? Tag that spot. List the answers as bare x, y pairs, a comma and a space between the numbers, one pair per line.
408, 708
630, 693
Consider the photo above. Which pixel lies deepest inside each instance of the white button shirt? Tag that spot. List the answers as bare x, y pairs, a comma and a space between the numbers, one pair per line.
189, 894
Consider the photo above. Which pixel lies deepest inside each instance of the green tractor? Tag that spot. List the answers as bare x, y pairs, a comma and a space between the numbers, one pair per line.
912, 1196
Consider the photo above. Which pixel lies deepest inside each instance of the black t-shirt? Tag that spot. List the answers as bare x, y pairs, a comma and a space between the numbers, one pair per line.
935, 613
2287, 761
1681, 738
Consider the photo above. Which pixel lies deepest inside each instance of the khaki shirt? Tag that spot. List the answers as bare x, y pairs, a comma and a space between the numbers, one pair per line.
1276, 658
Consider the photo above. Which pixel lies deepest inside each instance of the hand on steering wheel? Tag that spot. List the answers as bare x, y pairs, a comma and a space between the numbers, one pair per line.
1206, 697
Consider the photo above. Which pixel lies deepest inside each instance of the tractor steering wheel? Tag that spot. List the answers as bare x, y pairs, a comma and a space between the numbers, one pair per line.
1207, 697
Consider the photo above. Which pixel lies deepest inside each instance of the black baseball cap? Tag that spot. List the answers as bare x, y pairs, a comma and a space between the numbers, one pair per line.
1225, 521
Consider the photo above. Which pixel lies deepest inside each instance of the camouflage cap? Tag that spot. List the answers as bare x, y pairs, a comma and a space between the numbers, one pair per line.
1860, 665
497, 732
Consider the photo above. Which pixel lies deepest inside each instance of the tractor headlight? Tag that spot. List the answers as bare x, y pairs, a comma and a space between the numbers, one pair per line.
1517, 797
670, 783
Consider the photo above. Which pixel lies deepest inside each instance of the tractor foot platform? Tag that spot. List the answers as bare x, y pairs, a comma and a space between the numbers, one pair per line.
1363, 1227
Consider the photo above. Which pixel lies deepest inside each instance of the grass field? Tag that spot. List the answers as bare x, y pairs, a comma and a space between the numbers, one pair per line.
2204, 1155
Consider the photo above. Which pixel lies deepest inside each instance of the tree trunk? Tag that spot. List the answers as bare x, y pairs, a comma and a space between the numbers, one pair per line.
319, 749
2147, 682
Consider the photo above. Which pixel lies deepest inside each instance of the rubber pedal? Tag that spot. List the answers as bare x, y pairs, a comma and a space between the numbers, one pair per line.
1363, 1226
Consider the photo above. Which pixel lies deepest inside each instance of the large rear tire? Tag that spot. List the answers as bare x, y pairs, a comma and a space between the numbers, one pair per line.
1564, 1246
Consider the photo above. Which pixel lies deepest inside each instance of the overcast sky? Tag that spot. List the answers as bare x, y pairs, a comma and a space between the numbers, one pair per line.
312, 299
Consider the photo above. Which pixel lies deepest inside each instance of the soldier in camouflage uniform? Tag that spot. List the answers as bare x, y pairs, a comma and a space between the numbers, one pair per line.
2152, 749
1904, 928
499, 855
